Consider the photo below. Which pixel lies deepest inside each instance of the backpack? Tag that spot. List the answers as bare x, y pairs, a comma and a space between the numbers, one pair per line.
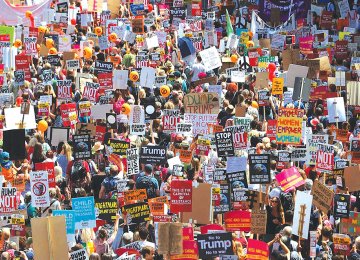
110, 184
144, 182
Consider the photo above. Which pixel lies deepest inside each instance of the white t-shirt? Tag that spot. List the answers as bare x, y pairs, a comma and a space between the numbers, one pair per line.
197, 68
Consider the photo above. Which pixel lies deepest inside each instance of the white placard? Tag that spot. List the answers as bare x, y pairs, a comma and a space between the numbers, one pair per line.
120, 78
39, 183
336, 109
303, 206
210, 58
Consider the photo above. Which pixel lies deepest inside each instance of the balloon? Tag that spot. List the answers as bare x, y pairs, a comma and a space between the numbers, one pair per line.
271, 67
49, 43
73, 21
150, 7
234, 58
42, 126
250, 44
271, 76
112, 37
17, 43
254, 104
250, 35
98, 30
125, 109
28, 14
87, 53
134, 76
53, 51
165, 91
188, 34
42, 29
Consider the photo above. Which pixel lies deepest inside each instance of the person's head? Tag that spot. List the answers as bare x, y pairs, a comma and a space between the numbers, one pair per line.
114, 170
106, 256
326, 232
52, 193
148, 168
94, 256
37, 150
198, 59
147, 252
143, 233
102, 235
277, 255
357, 243
128, 238
289, 214
67, 151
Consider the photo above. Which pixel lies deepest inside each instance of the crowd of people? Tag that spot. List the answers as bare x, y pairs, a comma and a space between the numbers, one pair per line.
163, 130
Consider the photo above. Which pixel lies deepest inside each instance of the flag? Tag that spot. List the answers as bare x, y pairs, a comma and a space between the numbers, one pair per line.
229, 28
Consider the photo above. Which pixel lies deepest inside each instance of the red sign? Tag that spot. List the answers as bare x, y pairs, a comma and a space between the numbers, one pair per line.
90, 93
49, 167
190, 251
181, 196
100, 133
289, 179
105, 80
196, 9
22, 62
64, 89
65, 110
205, 229
325, 161
188, 233
237, 221
341, 49
271, 129
162, 218
257, 250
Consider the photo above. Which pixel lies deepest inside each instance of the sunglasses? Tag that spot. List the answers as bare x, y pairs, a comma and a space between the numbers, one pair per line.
274, 201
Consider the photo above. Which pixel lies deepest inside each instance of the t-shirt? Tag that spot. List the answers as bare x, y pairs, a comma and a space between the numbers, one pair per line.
197, 68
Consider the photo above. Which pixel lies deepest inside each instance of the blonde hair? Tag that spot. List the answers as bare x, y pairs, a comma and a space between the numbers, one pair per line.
169, 105
142, 93
67, 151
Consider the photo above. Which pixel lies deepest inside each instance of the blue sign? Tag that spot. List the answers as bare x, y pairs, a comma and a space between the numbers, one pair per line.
137, 9
84, 212
69, 218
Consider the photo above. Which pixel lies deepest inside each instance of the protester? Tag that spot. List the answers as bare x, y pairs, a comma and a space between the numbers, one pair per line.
164, 130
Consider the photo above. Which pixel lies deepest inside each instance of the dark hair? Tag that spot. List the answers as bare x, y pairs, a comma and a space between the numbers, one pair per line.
106, 256
102, 234
143, 233
145, 250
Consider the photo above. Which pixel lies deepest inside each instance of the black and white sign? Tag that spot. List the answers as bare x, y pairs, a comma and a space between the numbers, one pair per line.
132, 159
224, 144
213, 245
82, 146
153, 154
72, 64
259, 168
341, 205
103, 67
111, 122
19, 77
54, 60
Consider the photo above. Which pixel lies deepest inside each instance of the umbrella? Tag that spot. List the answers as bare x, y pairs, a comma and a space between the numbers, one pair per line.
186, 47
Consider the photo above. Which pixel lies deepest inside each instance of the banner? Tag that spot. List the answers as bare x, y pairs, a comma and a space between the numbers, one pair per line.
39, 183
237, 221
289, 126
289, 179
214, 245
259, 168
181, 196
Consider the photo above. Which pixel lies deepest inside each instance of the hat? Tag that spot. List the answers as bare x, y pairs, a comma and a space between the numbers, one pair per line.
177, 74
5, 160
128, 236
97, 147
202, 75
148, 168
161, 73
232, 87
230, 110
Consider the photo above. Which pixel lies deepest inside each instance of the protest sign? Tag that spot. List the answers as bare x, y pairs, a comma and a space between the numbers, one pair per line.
289, 126
277, 86
153, 154
49, 167
201, 103
302, 213
82, 146
84, 208
133, 195
170, 119
91, 90
200, 122
312, 142
325, 157
259, 168
237, 221
181, 196
342, 244
225, 198
39, 183
336, 109
224, 144
8, 200
211, 58
72, 64
271, 129
137, 213
284, 157
257, 250
30, 45
69, 218
106, 209
341, 205
350, 225
79, 255
322, 196
170, 238
118, 147
239, 136
213, 245
64, 89
190, 251
258, 221
132, 159
289, 179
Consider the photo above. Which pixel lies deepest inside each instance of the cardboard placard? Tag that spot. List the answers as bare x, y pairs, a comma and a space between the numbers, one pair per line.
322, 196
258, 221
